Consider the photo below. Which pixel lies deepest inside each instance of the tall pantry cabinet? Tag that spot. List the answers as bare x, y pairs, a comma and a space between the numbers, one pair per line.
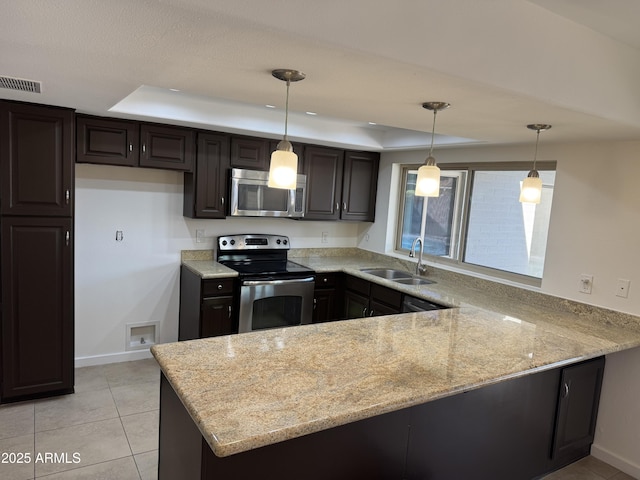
36, 250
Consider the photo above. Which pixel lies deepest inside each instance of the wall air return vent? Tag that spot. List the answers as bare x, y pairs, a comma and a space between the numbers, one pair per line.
20, 84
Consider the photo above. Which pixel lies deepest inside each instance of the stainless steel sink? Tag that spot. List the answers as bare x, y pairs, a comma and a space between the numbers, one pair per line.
388, 273
414, 281
398, 276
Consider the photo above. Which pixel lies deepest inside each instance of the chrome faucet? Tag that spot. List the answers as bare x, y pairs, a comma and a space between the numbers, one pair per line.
420, 268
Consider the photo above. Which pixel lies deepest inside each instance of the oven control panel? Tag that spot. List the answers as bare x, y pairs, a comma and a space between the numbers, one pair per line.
253, 242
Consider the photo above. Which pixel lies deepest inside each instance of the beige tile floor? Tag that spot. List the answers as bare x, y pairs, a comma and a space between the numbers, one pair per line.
111, 422
589, 468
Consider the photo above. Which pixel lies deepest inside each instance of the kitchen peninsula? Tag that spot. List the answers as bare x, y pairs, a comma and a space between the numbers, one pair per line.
479, 388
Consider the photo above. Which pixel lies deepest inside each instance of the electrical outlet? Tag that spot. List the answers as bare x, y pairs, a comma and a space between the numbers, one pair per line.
199, 236
325, 237
586, 284
622, 288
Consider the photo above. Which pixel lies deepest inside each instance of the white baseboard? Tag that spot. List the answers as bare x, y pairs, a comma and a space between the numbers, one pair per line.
112, 358
614, 460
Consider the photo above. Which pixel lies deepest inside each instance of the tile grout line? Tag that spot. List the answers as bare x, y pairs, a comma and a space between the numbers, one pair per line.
125, 433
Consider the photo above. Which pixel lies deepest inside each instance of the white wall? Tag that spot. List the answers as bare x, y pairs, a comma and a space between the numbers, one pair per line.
137, 280
594, 229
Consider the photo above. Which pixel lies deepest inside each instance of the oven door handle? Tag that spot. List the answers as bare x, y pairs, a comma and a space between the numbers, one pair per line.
257, 283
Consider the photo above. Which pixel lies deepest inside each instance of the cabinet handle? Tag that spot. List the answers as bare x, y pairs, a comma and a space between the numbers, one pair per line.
229, 311
371, 313
67, 196
337, 206
131, 147
344, 205
144, 147
325, 279
315, 303
67, 238
565, 390
222, 200
219, 286
364, 312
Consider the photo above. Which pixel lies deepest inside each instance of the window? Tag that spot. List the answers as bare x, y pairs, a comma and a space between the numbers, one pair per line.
478, 221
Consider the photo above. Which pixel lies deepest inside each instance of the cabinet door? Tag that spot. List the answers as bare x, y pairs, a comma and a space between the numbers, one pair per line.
359, 186
324, 305
377, 309
37, 301
578, 402
205, 190
36, 159
167, 147
355, 305
250, 152
323, 167
107, 141
217, 317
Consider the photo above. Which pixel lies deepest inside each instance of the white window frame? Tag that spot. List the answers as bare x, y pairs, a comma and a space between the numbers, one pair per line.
461, 217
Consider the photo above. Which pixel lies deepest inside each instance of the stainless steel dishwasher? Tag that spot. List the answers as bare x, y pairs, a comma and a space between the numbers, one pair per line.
414, 304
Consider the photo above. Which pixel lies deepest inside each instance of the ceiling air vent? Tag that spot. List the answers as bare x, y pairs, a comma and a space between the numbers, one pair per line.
20, 84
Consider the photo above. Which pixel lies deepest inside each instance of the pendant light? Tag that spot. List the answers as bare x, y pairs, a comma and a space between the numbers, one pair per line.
531, 190
428, 182
283, 169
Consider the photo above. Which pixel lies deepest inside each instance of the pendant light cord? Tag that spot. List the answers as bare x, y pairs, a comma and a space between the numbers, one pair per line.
433, 131
535, 154
286, 111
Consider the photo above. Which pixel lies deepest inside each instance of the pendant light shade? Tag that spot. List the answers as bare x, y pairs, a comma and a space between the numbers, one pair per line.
283, 169
531, 189
428, 182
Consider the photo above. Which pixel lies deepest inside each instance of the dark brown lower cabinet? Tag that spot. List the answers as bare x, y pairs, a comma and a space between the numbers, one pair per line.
37, 307
366, 299
327, 304
216, 316
578, 401
504, 431
207, 306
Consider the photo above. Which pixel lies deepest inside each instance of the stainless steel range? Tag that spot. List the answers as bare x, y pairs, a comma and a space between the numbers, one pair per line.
274, 291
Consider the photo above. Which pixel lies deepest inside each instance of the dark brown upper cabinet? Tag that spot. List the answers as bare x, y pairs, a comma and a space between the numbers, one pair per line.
205, 189
323, 167
113, 141
107, 141
167, 147
359, 186
36, 159
340, 185
250, 152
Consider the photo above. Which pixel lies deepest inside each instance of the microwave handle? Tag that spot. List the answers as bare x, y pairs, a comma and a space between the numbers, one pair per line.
257, 283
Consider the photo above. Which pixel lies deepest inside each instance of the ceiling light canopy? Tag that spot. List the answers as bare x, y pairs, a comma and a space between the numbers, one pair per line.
428, 182
531, 189
283, 170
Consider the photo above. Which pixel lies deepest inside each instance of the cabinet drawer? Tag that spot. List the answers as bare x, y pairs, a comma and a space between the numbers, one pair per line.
218, 286
357, 285
386, 295
326, 280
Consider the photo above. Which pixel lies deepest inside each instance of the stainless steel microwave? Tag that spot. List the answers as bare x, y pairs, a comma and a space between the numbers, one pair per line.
251, 197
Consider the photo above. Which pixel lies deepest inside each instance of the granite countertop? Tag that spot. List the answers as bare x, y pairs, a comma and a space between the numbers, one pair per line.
250, 390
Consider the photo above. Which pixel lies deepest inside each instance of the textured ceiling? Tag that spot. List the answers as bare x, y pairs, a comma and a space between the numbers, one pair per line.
501, 64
